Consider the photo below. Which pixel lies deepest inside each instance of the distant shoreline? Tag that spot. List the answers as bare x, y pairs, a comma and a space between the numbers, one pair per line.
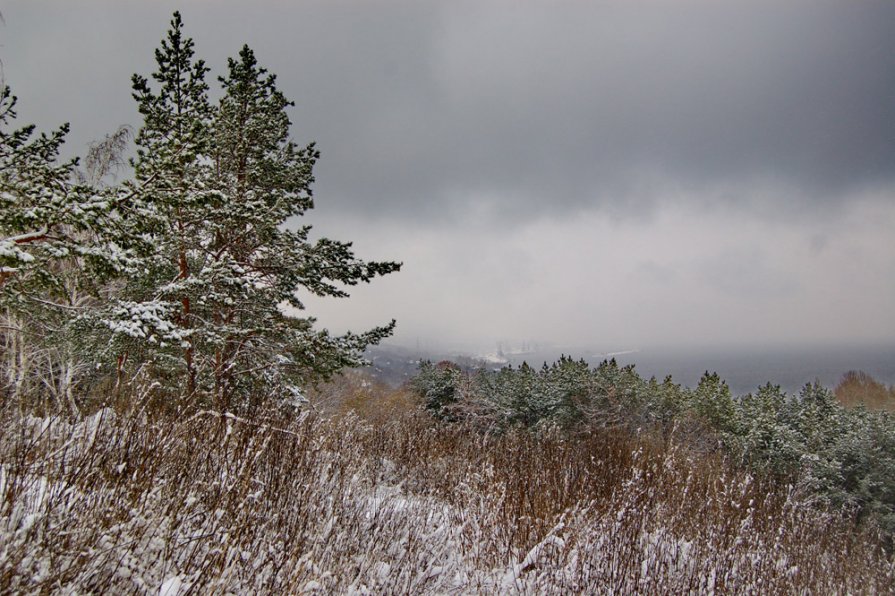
744, 369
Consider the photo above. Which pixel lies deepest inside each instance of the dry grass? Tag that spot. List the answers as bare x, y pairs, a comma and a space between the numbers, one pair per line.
354, 391
129, 502
858, 388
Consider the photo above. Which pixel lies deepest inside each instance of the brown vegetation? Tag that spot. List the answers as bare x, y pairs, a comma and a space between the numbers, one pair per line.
131, 501
359, 393
859, 388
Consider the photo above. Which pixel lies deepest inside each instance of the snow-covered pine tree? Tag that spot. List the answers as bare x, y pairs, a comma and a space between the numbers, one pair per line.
51, 254
163, 210
258, 265
212, 192
46, 218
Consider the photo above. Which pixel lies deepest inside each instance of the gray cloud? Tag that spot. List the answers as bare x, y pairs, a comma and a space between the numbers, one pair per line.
573, 105
629, 172
423, 108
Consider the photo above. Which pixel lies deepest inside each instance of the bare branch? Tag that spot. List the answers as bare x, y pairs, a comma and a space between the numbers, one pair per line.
106, 157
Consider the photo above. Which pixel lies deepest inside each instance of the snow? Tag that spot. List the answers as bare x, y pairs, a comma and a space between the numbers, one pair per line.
494, 358
172, 586
149, 320
11, 250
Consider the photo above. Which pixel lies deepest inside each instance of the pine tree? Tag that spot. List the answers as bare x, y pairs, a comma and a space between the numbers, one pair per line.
258, 264
163, 212
765, 439
712, 402
46, 216
213, 190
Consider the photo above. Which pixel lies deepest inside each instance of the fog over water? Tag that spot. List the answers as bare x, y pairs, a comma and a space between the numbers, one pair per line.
743, 368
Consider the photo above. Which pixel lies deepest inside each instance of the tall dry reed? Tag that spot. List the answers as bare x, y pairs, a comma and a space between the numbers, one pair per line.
138, 501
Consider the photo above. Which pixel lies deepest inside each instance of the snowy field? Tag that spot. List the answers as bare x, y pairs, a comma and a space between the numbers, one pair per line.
118, 503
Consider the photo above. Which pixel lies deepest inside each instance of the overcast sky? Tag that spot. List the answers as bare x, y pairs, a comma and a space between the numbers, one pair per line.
611, 174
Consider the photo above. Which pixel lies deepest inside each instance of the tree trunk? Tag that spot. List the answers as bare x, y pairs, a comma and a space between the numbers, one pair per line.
185, 323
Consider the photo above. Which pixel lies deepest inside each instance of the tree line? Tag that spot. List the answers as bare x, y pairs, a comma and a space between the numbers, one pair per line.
839, 456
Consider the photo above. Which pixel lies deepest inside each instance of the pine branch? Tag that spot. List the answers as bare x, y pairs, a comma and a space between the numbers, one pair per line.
30, 237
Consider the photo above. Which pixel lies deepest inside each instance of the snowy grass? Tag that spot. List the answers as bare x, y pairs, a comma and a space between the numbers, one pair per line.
153, 503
